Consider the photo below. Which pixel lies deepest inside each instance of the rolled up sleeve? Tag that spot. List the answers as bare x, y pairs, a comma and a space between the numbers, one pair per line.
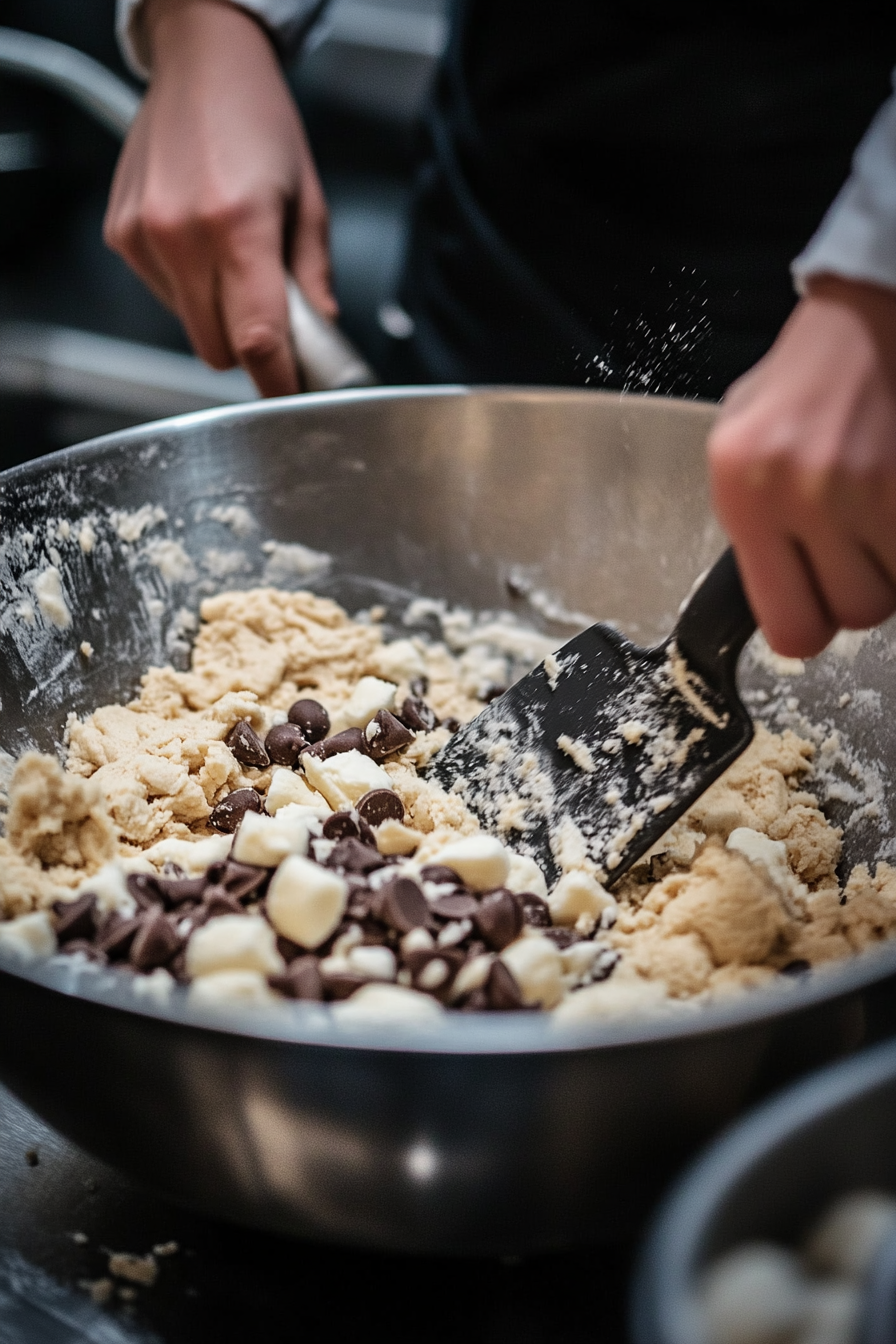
857, 237
288, 22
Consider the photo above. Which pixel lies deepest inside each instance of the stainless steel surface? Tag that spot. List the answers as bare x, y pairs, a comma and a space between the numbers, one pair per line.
68, 71
496, 1132
768, 1179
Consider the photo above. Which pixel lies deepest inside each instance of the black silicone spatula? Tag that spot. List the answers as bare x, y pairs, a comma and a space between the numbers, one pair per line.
603, 746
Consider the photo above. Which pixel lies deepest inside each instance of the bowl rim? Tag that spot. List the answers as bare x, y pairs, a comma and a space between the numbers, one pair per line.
662, 1304
493, 1033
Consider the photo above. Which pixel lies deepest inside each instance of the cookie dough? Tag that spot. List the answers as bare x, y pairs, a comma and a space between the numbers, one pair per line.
172, 840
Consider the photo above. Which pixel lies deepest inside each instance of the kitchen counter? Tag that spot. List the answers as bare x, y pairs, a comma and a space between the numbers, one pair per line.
62, 1213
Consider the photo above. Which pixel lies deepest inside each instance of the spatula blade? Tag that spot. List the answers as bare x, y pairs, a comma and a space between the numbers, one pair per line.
601, 748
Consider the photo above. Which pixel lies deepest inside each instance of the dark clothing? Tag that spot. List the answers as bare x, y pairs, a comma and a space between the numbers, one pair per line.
613, 193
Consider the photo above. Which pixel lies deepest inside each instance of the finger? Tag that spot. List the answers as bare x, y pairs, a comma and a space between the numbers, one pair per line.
784, 595
180, 252
855, 587
253, 306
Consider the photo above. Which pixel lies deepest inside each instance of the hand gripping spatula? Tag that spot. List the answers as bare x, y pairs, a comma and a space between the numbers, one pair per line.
596, 752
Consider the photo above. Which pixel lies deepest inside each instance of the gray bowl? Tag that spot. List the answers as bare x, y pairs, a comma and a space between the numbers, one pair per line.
769, 1179
499, 1133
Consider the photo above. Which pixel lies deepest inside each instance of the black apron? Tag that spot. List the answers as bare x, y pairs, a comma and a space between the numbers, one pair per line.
611, 194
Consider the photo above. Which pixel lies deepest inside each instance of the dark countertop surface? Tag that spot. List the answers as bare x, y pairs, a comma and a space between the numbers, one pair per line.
62, 1213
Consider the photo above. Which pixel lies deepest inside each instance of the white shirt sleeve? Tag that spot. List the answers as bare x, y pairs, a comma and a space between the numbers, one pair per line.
288, 22
857, 237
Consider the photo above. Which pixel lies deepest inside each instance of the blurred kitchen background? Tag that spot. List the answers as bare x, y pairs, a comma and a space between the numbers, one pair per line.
84, 348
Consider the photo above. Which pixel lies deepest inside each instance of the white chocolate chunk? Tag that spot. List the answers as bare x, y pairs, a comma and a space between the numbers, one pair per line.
306, 902
754, 1294
266, 841
376, 963
580, 957
287, 787
28, 938
481, 862
220, 988
535, 964
393, 837
472, 975
194, 856
577, 893
525, 875
418, 940
345, 778
109, 887
369, 696
387, 1003
770, 854
847, 1238
234, 943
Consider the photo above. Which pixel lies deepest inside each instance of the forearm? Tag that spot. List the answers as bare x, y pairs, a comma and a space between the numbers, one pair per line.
286, 21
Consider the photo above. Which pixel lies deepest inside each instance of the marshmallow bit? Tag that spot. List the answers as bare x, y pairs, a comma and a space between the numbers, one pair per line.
28, 938
267, 841
536, 966
194, 856
220, 988
234, 943
287, 787
480, 862
577, 893
525, 875
306, 902
367, 699
343, 779
378, 1002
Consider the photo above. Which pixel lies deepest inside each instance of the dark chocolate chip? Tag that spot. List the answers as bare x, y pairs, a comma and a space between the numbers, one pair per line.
218, 901
563, 938
75, 919
301, 981
115, 935
350, 739
343, 985
246, 746
440, 874
419, 686
477, 1002
491, 693
797, 967
455, 905
451, 723
285, 743
417, 714
89, 950
517, 587
400, 904
177, 890
353, 856
240, 879
501, 989
380, 805
311, 717
340, 826
499, 918
145, 889
230, 811
155, 943
386, 734
535, 910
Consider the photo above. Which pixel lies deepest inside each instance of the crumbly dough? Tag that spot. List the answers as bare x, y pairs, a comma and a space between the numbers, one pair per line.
695, 920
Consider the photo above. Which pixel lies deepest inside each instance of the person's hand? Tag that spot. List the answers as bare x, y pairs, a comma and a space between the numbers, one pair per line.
216, 190
803, 469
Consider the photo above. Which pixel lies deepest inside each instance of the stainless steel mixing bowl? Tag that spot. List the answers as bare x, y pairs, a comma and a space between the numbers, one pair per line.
499, 1133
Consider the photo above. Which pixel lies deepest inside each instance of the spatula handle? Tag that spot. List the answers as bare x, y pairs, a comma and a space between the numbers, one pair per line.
716, 623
